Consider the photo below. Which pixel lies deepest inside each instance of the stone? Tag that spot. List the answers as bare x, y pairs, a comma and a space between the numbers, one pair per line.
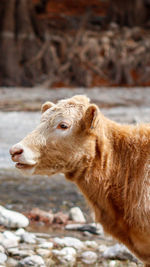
133, 264
20, 232
102, 248
72, 227
2, 249
20, 252
69, 242
41, 216
60, 218
119, 252
40, 240
28, 238
34, 260
99, 229
45, 253
8, 240
89, 257
76, 215
92, 228
113, 263
91, 244
65, 255
87, 234
12, 262
12, 219
3, 258
42, 235
46, 245
7, 243
10, 235
50, 262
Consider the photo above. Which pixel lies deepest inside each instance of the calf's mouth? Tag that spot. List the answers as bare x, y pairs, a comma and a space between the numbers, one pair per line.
24, 165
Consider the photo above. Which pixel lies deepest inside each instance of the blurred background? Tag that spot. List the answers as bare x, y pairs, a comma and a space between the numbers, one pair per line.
59, 43
54, 49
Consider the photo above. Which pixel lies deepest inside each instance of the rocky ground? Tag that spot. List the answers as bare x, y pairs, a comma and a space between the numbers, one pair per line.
18, 247
46, 236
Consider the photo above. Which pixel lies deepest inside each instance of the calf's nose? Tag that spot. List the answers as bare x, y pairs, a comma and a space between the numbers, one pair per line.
16, 150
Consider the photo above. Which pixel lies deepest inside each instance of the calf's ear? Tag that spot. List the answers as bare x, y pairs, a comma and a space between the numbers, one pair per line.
91, 117
46, 106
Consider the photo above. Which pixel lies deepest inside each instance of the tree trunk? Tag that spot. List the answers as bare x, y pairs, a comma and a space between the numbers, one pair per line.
129, 12
21, 39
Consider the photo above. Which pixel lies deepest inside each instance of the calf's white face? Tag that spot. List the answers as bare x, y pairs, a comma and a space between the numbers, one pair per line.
60, 141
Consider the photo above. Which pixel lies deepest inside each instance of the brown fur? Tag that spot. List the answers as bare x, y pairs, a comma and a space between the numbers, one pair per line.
109, 162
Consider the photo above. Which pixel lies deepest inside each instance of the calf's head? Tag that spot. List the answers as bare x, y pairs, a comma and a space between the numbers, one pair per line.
62, 140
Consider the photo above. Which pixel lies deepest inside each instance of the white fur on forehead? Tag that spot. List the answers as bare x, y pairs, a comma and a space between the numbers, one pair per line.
71, 109
77, 99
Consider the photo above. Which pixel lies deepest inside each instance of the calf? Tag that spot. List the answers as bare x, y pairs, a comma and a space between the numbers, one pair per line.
109, 162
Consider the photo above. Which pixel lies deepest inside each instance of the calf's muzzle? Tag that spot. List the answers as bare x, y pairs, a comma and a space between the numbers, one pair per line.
16, 150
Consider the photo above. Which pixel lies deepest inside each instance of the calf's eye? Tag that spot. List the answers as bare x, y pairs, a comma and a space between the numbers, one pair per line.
63, 126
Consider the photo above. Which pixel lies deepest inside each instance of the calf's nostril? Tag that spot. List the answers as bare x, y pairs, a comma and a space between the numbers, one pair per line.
16, 151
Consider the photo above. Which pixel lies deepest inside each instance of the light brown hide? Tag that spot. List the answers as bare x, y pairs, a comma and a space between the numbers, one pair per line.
109, 162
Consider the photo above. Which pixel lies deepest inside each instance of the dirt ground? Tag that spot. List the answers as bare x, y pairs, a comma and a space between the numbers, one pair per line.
30, 99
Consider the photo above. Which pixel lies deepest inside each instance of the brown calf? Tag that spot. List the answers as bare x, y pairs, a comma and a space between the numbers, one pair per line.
109, 162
